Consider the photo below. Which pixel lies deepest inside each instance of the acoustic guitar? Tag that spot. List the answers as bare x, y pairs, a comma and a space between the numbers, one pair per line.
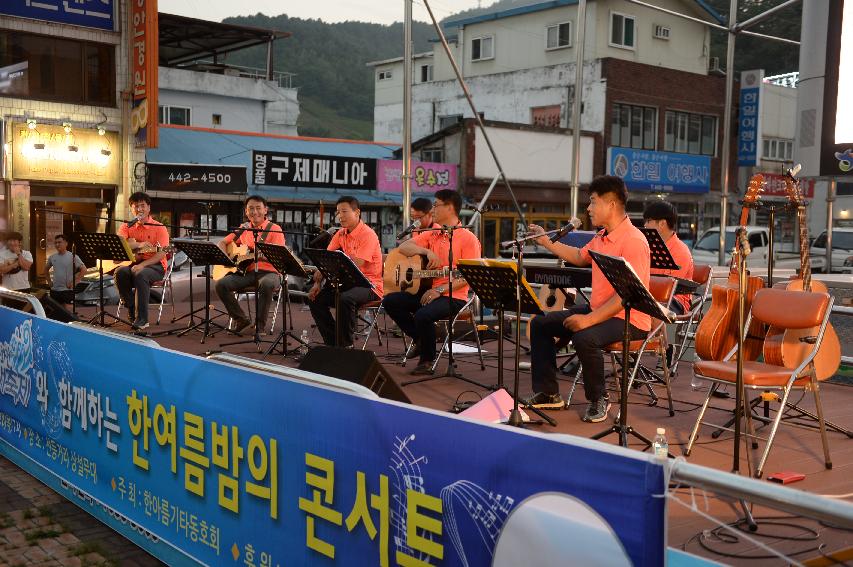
144, 248
551, 298
789, 347
410, 273
717, 332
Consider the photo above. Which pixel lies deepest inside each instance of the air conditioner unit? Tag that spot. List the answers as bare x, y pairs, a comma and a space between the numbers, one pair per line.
661, 32
714, 64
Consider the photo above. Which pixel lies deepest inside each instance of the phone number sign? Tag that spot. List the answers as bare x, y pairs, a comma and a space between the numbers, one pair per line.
197, 178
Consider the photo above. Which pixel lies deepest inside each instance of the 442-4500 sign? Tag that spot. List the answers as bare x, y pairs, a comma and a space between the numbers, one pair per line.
194, 177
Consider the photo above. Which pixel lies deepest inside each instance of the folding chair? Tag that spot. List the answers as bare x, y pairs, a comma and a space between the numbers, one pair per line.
788, 310
373, 309
252, 291
164, 285
685, 325
662, 289
465, 313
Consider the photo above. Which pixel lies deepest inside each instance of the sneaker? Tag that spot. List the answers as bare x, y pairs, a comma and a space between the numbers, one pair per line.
422, 369
140, 325
238, 325
414, 351
541, 400
597, 410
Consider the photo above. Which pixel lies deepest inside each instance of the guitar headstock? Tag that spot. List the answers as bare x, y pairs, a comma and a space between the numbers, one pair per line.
793, 190
754, 190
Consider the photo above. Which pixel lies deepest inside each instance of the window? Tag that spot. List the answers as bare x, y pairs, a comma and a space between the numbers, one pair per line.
688, 133
482, 48
216, 119
661, 32
621, 30
384, 75
175, 115
778, 150
434, 155
426, 73
545, 116
558, 36
633, 127
57, 69
445, 121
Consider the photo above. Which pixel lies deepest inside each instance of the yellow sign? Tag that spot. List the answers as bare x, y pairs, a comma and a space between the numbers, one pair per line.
49, 153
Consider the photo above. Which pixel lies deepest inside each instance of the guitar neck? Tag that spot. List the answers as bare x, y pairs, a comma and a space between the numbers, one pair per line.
805, 259
435, 273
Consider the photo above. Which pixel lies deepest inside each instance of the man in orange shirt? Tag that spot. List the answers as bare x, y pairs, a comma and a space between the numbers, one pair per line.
268, 277
416, 316
662, 216
360, 243
145, 236
590, 327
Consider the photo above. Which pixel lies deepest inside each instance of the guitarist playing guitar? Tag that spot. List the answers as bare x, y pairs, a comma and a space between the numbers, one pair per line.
145, 236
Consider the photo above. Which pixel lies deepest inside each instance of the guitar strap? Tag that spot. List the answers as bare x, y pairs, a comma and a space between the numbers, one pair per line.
263, 236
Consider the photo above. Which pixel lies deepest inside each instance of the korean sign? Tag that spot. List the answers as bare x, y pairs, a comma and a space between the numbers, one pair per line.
749, 118
89, 13
219, 462
426, 177
144, 64
316, 171
660, 172
775, 186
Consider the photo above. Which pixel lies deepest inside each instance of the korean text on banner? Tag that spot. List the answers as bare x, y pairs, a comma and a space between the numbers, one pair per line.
144, 54
749, 118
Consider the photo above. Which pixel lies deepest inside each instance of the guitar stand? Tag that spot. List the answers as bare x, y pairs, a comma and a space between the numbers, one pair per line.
765, 418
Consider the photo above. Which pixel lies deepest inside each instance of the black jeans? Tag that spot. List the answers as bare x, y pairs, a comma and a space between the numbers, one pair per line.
62, 295
418, 321
127, 282
588, 343
351, 299
231, 283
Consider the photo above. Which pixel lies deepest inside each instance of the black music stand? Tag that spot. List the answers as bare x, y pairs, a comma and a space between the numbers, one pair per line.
283, 260
496, 284
635, 296
341, 273
661, 258
207, 254
97, 247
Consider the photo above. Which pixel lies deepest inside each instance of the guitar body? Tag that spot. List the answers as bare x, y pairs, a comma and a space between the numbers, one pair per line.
783, 347
717, 333
399, 273
240, 255
551, 299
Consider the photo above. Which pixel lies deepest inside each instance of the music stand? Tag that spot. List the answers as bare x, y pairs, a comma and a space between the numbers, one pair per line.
206, 253
661, 258
635, 296
97, 247
496, 284
283, 260
340, 272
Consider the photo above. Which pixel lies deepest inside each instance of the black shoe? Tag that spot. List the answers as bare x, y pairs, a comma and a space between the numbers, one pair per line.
415, 351
541, 400
597, 410
140, 325
238, 325
422, 369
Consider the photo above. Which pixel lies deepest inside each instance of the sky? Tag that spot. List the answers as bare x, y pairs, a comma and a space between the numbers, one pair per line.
377, 11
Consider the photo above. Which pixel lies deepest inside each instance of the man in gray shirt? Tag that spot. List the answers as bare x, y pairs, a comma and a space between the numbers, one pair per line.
66, 273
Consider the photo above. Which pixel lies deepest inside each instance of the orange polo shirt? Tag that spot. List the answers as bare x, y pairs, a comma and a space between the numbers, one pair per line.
681, 254
152, 232
362, 243
247, 238
466, 246
626, 241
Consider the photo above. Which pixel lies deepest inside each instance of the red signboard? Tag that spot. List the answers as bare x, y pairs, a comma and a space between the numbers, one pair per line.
775, 186
144, 55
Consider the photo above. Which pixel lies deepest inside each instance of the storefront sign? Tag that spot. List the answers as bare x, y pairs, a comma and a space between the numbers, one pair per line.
195, 177
89, 13
426, 176
318, 171
144, 63
749, 119
48, 153
660, 172
20, 196
775, 186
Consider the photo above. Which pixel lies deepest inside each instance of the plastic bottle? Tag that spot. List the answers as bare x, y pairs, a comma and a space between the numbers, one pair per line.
697, 383
303, 347
660, 445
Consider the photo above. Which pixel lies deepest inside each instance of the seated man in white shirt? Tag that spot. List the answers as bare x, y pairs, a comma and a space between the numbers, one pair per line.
15, 263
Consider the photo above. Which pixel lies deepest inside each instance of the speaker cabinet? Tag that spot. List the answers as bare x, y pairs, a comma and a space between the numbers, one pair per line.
359, 366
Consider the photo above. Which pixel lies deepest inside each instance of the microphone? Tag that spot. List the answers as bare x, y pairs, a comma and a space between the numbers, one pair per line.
411, 228
323, 233
238, 232
134, 221
574, 224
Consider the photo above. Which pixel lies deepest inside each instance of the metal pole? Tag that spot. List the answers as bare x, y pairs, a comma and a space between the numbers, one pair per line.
727, 131
763, 15
407, 113
270, 44
576, 105
830, 200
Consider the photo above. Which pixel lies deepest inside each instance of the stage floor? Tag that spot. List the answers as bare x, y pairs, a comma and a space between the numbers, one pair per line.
794, 450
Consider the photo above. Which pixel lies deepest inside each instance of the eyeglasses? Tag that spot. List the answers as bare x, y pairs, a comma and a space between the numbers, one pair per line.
440, 204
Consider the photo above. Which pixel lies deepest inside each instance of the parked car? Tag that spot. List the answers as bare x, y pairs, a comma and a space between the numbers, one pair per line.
706, 250
842, 250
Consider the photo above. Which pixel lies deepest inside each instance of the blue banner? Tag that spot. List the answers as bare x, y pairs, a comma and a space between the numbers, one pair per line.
89, 13
660, 172
230, 466
749, 118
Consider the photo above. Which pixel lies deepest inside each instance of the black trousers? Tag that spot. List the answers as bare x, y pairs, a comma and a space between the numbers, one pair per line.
418, 321
62, 295
351, 299
135, 289
589, 344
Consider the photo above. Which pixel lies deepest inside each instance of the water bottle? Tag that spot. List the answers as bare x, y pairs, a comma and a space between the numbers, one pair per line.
695, 382
303, 346
660, 446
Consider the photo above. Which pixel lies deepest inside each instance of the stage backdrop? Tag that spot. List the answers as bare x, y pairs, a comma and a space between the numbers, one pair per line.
196, 460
